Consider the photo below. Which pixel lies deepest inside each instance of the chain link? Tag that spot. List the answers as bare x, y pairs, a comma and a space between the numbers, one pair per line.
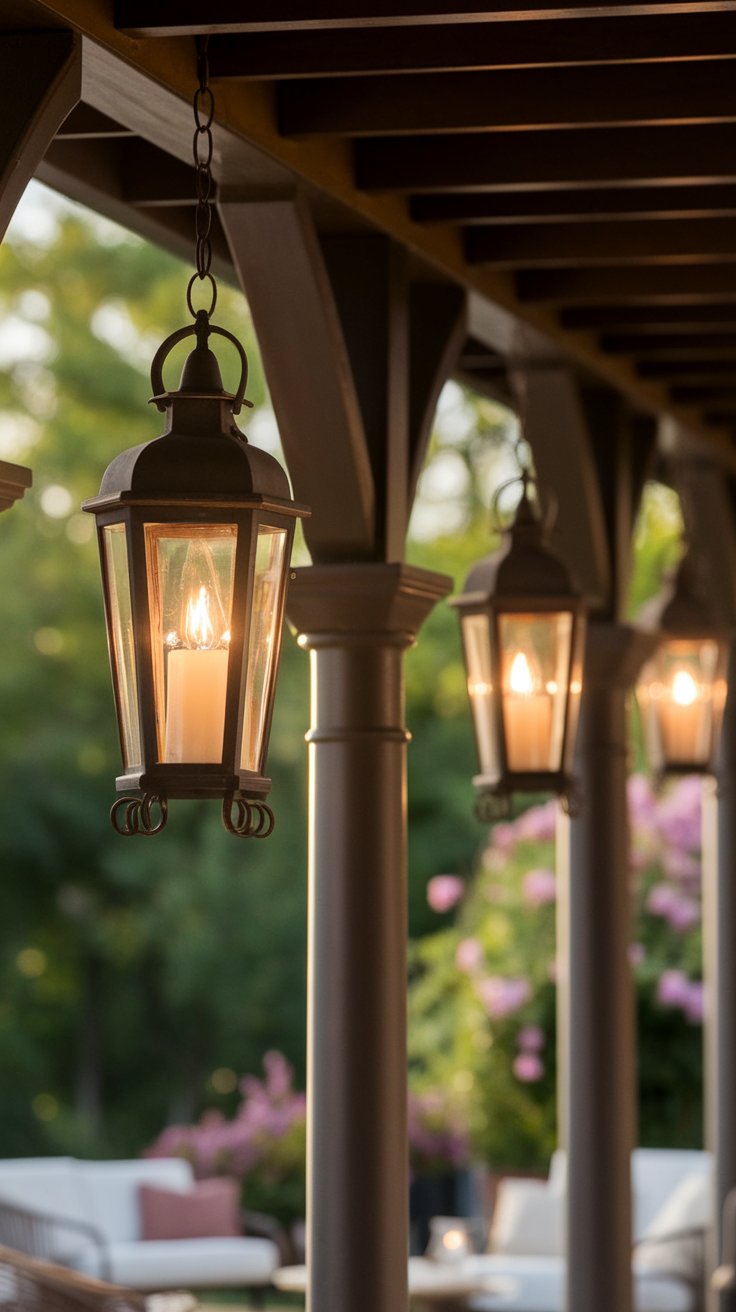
204, 111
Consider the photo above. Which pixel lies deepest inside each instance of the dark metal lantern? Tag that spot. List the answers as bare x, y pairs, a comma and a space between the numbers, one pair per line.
523, 627
195, 531
681, 691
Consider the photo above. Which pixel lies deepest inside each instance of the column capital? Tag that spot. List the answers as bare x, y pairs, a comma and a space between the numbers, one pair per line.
14, 479
615, 653
336, 605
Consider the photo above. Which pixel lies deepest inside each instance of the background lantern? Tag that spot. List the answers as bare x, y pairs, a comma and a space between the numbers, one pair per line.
682, 690
523, 627
195, 532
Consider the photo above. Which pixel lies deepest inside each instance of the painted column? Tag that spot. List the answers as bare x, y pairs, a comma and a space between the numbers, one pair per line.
719, 959
356, 622
596, 996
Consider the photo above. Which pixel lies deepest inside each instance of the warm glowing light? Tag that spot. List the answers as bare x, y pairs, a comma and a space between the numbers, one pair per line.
454, 1239
199, 630
684, 689
479, 688
521, 680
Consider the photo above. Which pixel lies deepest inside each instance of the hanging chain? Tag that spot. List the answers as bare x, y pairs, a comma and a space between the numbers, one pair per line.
204, 111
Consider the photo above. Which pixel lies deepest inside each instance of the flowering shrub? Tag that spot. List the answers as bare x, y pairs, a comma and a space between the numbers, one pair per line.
482, 996
438, 1136
263, 1145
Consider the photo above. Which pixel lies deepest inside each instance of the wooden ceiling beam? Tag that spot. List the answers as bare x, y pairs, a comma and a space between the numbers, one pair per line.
580, 205
643, 242
673, 320
85, 124
505, 98
457, 47
551, 159
664, 282
153, 177
660, 343
723, 398
688, 371
186, 18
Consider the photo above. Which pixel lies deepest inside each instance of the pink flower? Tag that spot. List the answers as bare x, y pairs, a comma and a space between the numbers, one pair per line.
468, 955
682, 866
502, 997
673, 989
504, 837
539, 823
528, 1067
695, 1003
642, 801
531, 1038
538, 887
444, 891
637, 954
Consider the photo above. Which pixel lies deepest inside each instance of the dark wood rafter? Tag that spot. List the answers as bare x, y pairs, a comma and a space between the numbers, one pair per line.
460, 47
186, 18
524, 98
672, 319
581, 205
635, 242
43, 78
653, 343
437, 333
699, 282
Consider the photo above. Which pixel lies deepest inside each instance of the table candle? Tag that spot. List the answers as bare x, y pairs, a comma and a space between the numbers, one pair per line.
527, 719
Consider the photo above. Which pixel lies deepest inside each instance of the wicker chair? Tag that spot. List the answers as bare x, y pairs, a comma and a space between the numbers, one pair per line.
28, 1284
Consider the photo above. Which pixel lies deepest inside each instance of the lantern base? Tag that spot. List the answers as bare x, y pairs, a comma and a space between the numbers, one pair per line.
192, 782
493, 798
147, 815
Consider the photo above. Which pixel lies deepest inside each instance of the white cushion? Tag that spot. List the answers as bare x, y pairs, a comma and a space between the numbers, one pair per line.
43, 1184
539, 1285
687, 1208
528, 1219
656, 1173
111, 1191
195, 1263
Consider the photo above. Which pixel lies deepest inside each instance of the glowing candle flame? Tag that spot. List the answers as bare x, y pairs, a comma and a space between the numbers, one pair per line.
521, 680
684, 689
199, 630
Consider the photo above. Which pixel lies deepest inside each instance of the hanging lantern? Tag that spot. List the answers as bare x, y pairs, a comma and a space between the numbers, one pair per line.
682, 690
523, 629
195, 531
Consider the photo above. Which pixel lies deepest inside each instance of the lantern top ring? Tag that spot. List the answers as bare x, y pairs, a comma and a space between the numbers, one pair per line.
548, 507
201, 329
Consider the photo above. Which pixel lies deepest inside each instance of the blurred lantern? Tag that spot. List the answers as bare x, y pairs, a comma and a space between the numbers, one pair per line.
682, 690
195, 531
523, 627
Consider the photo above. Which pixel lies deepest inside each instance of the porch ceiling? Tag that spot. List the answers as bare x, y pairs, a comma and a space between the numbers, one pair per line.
574, 166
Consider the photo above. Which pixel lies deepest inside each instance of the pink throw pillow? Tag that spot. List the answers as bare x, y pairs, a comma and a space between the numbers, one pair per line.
210, 1209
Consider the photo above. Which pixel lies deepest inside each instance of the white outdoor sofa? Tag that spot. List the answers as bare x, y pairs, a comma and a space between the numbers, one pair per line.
671, 1212
85, 1215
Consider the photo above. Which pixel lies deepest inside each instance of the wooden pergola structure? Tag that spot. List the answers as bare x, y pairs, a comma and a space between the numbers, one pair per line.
406, 192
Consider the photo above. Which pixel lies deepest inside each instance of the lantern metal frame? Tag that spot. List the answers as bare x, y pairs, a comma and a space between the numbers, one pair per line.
681, 614
523, 577
178, 478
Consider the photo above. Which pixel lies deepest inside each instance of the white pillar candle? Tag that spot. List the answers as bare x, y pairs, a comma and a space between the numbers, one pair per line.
681, 717
195, 705
527, 719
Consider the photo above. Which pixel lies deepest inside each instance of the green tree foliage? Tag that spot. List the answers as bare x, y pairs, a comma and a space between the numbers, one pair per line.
129, 972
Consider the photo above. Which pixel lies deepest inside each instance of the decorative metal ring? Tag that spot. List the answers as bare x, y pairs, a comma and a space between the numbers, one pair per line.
197, 278
131, 816
246, 819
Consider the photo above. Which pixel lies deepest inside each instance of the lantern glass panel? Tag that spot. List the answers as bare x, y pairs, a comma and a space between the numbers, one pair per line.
190, 592
535, 651
264, 641
122, 641
681, 697
477, 641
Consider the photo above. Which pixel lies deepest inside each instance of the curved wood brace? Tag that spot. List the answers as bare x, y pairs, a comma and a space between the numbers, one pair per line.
42, 73
276, 253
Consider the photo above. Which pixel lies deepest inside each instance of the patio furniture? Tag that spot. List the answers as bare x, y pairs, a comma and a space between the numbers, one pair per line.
670, 1195
86, 1215
433, 1286
28, 1284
